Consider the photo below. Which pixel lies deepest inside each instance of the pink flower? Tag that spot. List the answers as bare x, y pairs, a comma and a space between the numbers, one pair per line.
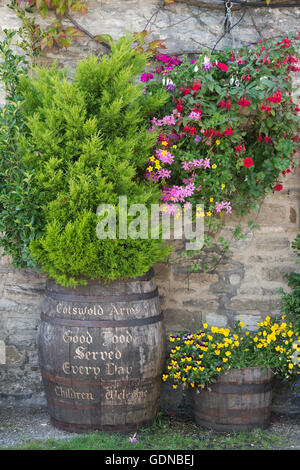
223, 205
163, 173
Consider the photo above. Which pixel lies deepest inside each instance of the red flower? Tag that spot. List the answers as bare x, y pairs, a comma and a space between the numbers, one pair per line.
196, 86
222, 103
248, 162
190, 130
222, 66
229, 131
240, 148
244, 102
179, 106
185, 91
278, 187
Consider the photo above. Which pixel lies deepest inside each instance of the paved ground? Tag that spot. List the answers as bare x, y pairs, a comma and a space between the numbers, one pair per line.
18, 425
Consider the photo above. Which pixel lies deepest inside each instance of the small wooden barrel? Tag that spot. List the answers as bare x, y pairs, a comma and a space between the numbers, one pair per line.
239, 400
102, 353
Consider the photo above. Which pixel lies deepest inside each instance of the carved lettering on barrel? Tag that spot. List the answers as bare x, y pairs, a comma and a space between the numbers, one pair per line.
121, 311
112, 394
63, 392
110, 338
82, 353
109, 358
81, 370
68, 337
96, 310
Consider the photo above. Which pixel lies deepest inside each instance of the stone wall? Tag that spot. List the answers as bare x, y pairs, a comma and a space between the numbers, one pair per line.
246, 283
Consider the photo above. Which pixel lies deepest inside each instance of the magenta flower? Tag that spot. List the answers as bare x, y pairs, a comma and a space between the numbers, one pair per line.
145, 77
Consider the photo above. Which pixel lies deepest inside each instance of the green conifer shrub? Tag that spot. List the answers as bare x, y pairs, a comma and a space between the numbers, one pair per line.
91, 143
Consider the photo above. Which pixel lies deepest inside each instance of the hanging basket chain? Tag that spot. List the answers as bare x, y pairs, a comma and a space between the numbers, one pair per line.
228, 26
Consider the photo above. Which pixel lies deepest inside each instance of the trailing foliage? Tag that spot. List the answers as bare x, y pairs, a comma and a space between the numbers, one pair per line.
91, 142
18, 205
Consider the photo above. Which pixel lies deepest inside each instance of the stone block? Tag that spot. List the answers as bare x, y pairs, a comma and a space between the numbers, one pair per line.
249, 320
277, 273
13, 356
215, 319
181, 320
269, 243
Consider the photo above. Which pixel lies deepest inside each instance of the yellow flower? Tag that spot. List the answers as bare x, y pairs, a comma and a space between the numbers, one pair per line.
205, 325
211, 199
214, 166
218, 142
164, 377
217, 352
150, 168
174, 146
218, 369
242, 324
208, 214
164, 143
222, 186
192, 385
291, 366
152, 158
164, 152
200, 214
175, 386
228, 353
225, 359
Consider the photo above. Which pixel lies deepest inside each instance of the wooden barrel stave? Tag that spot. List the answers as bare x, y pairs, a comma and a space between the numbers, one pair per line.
239, 400
102, 365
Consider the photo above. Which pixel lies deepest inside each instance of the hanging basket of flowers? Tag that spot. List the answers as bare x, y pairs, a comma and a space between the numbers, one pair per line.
229, 131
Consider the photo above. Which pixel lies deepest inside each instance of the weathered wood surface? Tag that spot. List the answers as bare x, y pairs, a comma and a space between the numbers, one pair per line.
102, 353
239, 400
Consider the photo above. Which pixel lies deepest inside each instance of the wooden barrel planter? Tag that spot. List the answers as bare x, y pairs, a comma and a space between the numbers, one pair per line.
102, 353
239, 400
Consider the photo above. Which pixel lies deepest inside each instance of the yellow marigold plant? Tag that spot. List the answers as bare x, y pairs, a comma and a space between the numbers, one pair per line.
196, 359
